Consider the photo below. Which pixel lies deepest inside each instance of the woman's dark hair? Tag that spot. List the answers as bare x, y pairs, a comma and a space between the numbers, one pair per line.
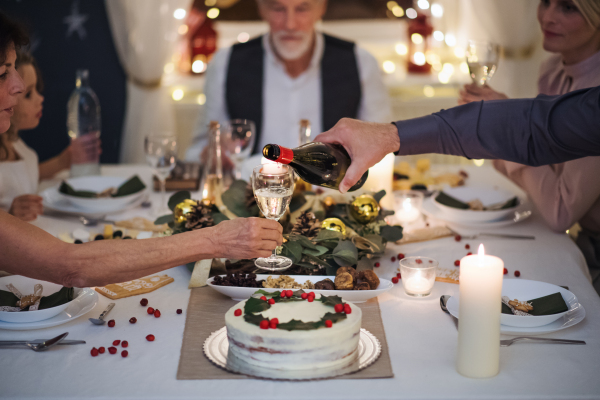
11, 34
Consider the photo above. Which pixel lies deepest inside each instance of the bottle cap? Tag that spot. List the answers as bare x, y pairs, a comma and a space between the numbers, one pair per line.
277, 153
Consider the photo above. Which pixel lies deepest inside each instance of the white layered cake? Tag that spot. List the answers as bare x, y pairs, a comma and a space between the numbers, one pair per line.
276, 348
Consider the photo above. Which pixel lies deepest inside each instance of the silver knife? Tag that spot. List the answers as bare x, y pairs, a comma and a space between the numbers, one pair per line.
24, 342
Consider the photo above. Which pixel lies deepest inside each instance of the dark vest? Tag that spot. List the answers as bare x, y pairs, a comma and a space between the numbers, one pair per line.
340, 83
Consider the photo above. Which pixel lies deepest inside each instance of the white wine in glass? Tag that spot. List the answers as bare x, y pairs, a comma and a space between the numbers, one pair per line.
482, 59
161, 155
273, 186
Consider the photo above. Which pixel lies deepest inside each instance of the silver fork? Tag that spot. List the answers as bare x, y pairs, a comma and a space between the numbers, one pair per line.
500, 235
508, 342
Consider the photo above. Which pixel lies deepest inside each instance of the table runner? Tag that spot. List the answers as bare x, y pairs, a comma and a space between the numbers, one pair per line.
206, 314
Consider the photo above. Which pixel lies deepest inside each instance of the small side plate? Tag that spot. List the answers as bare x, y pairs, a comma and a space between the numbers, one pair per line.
216, 349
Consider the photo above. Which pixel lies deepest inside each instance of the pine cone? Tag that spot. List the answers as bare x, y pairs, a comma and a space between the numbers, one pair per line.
250, 199
307, 225
199, 217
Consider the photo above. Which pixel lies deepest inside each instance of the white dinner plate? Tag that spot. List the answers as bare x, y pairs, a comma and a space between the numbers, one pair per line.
85, 302
521, 213
25, 286
515, 287
97, 183
354, 296
487, 195
55, 201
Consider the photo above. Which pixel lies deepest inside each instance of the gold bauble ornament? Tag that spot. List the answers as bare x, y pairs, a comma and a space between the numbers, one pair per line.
364, 209
182, 209
334, 224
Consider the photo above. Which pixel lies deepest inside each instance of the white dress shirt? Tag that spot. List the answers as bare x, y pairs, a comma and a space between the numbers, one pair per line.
18, 177
287, 100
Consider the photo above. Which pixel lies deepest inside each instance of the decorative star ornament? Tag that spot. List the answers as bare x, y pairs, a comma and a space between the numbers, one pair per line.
75, 21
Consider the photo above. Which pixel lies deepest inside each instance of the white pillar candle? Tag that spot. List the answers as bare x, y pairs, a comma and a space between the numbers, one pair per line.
479, 315
381, 176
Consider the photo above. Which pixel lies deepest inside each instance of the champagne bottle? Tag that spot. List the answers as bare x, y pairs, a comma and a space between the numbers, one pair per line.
321, 164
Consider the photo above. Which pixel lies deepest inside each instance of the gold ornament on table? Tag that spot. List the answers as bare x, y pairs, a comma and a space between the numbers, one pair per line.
364, 209
334, 224
182, 209
328, 203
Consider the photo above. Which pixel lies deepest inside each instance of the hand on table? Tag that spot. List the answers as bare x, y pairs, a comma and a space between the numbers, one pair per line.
85, 149
472, 92
27, 207
244, 238
366, 143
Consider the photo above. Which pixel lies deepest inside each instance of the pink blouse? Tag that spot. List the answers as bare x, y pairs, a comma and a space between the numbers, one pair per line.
569, 192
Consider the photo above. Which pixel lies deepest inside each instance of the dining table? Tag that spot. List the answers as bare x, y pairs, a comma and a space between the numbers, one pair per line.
421, 338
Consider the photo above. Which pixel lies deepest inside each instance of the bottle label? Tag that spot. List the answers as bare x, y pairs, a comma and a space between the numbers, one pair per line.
285, 155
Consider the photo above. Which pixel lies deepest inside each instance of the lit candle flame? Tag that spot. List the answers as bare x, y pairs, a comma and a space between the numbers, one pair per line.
406, 204
481, 252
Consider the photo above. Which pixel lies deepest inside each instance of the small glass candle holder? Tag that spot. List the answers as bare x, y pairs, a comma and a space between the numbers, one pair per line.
418, 275
408, 205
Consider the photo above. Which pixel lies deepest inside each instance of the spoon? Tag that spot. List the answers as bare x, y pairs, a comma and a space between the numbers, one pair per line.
37, 346
100, 320
94, 221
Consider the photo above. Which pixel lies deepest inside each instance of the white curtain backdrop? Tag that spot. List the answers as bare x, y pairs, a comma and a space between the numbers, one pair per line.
512, 24
145, 35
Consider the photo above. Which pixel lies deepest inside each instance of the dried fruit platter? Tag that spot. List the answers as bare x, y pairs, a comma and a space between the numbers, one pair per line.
354, 296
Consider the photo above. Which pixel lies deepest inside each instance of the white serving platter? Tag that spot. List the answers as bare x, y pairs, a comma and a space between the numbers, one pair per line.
354, 296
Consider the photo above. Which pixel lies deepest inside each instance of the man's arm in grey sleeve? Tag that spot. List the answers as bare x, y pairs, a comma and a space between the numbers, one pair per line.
544, 130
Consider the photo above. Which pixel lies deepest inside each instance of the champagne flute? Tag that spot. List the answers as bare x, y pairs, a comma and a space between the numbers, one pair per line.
273, 185
482, 59
161, 154
239, 138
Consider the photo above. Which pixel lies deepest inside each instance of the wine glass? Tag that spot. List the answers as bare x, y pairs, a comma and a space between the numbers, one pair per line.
161, 154
482, 59
273, 185
239, 141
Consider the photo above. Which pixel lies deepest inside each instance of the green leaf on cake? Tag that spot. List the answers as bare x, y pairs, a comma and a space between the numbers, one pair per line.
331, 300
391, 233
254, 305
297, 325
254, 319
334, 317
263, 292
178, 198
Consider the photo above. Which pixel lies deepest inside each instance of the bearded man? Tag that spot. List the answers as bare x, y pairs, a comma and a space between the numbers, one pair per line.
291, 73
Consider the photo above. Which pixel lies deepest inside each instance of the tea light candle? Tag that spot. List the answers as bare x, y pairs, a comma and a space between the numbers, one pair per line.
270, 167
418, 275
408, 205
417, 285
479, 313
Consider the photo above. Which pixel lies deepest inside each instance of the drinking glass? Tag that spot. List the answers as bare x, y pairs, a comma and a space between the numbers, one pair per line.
418, 275
161, 154
482, 59
239, 141
273, 185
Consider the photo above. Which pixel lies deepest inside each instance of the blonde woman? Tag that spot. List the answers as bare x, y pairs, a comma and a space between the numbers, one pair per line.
569, 192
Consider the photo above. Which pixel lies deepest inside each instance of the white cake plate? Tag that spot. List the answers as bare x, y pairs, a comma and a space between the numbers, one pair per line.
216, 349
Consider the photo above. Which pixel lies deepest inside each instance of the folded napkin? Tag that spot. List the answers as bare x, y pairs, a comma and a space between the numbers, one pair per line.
133, 185
453, 202
547, 305
64, 295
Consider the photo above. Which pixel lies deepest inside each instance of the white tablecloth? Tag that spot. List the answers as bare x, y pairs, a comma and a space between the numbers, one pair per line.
422, 339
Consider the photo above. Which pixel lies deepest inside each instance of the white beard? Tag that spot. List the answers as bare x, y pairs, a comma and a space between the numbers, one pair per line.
292, 51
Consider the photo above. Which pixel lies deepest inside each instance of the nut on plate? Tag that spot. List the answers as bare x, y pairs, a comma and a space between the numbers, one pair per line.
362, 286
349, 270
325, 284
344, 281
371, 278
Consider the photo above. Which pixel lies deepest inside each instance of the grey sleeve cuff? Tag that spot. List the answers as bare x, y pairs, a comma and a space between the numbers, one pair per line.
419, 135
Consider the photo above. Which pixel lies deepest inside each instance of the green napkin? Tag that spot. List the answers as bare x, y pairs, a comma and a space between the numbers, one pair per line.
64, 295
453, 202
547, 305
133, 185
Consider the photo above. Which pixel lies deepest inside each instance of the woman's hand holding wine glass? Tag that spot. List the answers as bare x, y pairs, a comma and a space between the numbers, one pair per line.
273, 186
473, 92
